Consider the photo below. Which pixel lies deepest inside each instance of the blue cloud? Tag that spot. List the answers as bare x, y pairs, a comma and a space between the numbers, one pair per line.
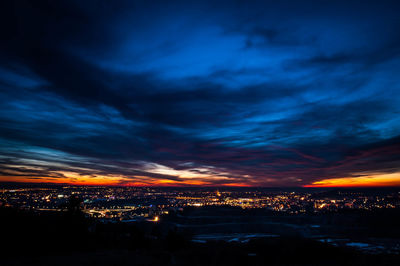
262, 93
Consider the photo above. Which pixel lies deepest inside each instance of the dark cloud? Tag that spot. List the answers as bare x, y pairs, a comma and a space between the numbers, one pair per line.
280, 94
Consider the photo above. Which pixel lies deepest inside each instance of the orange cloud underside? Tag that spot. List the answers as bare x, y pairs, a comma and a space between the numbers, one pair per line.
377, 180
73, 177
101, 180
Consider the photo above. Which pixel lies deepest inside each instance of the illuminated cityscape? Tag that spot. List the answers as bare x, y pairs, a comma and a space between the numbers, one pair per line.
126, 203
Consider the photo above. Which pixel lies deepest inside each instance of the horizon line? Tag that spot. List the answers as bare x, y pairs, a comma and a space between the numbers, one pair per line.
192, 186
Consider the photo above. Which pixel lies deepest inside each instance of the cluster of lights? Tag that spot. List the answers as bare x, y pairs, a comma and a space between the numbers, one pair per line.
151, 203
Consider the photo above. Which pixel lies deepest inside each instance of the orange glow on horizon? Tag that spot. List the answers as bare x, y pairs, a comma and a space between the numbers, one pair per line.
74, 178
374, 180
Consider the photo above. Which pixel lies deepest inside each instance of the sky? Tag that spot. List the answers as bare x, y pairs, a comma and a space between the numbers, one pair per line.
200, 93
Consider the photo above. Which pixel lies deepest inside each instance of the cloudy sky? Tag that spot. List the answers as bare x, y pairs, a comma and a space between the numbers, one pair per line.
241, 93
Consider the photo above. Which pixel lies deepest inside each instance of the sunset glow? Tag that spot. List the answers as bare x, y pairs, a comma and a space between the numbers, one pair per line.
372, 180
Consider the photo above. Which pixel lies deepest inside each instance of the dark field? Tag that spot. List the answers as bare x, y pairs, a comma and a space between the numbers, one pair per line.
202, 236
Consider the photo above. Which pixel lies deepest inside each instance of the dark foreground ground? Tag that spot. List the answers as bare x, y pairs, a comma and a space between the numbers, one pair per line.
67, 238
